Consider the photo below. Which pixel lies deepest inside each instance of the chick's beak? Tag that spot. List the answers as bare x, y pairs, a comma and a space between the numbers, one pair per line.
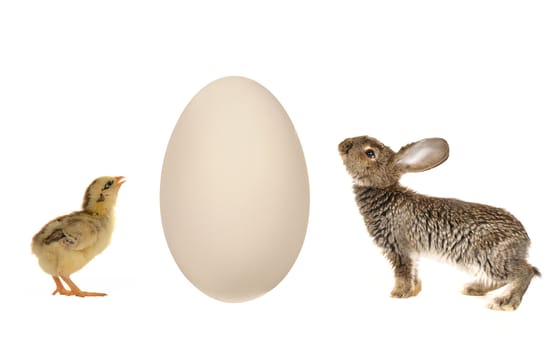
120, 180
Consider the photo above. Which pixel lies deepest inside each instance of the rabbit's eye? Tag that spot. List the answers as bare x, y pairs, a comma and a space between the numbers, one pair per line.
370, 153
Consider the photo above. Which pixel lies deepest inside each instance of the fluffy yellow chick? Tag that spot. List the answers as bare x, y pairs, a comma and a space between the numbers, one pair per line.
67, 243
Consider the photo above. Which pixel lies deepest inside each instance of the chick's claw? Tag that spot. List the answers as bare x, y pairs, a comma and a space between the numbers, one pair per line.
83, 294
78, 293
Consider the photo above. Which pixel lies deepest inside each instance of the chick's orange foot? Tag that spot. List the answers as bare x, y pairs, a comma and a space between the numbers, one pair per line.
59, 287
74, 290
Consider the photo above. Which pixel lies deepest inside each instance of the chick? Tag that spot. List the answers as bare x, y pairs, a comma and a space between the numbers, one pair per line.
67, 243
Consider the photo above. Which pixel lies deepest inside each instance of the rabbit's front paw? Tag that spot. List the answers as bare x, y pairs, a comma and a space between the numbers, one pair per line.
406, 288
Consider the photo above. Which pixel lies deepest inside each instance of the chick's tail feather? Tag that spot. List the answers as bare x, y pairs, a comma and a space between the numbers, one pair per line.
52, 231
37, 243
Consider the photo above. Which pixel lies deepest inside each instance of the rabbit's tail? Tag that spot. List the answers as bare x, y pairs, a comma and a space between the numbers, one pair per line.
536, 272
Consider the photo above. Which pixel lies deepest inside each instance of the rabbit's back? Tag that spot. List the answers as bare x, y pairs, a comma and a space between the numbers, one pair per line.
475, 236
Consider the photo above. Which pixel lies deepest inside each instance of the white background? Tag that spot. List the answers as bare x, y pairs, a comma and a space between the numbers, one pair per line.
95, 89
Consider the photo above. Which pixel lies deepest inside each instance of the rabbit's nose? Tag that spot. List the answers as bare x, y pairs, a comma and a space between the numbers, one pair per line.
345, 146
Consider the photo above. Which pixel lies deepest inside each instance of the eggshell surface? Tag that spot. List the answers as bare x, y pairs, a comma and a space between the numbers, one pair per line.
234, 191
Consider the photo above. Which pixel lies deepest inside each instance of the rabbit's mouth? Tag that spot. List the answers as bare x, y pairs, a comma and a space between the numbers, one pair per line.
360, 180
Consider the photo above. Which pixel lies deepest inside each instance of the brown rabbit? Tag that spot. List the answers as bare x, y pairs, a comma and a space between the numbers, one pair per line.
488, 242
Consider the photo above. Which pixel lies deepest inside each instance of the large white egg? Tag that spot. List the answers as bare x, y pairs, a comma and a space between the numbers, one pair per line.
234, 191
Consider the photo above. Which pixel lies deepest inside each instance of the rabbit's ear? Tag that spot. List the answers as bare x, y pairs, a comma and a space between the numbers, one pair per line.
422, 155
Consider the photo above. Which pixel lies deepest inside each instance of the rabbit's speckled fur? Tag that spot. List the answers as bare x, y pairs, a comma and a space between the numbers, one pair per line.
486, 241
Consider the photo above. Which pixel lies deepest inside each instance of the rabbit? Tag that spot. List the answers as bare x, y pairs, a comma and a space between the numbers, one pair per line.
488, 242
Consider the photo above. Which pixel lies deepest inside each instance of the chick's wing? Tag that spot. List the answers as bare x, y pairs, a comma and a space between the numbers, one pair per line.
79, 233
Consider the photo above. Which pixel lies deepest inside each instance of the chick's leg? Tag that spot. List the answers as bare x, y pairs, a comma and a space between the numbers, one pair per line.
76, 290
59, 287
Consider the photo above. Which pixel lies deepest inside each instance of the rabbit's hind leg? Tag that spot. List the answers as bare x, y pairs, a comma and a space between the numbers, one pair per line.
516, 288
479, 287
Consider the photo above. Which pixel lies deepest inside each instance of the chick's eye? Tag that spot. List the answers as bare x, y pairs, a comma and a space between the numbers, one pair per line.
370, 153
108, 185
